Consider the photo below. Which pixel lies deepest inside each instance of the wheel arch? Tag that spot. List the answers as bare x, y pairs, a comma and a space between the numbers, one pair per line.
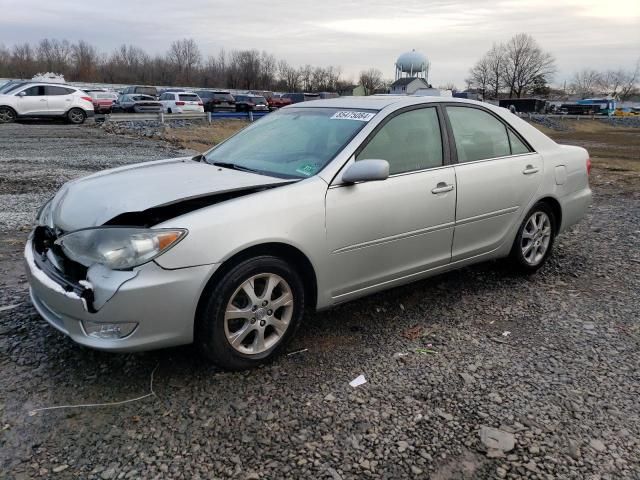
277, 249
10, 108
556, 208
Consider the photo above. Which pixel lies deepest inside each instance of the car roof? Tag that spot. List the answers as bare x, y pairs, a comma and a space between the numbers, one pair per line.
378, 102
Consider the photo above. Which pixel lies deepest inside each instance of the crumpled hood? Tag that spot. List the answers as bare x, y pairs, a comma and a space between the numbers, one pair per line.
94, 200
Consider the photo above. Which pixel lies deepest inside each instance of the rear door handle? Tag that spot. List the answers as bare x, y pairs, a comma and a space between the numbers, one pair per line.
442, 187
530, 169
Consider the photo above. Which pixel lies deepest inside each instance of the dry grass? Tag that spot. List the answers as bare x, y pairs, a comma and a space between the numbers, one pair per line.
203, 137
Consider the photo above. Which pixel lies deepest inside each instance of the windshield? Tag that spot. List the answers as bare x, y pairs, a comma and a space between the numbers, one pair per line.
10, 86
291, 143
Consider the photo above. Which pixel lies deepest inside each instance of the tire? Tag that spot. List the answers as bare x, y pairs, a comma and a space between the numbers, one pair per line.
534, 242
169, 110
77, 116
7, 115
258, 332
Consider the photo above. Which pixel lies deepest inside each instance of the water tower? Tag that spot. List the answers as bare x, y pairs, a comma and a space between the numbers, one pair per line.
412, 65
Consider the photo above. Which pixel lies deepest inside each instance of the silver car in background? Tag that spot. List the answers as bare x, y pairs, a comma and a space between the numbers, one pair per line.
319, 203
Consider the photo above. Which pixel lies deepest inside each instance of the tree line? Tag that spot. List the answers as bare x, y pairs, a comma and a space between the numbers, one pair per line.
620, 83
183, 64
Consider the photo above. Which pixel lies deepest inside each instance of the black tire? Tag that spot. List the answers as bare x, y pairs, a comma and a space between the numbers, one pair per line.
169, 110
7, 115
517, 256
209, 334
77, 116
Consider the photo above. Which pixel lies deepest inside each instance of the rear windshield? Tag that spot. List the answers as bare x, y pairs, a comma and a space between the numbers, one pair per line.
104, 95
139, 98
147, 90
202, 94
258, 100
189, 97
227, 97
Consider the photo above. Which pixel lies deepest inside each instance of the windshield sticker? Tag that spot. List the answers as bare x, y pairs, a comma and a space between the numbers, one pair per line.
307, 169
350, 115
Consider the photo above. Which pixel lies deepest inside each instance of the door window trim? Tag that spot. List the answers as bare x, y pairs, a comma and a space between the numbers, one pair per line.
452, 141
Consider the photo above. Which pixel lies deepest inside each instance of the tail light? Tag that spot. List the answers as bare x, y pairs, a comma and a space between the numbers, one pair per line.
179, 103
88, 99
588, 166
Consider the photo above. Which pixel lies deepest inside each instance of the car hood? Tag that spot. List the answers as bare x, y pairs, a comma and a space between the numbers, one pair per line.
94, 200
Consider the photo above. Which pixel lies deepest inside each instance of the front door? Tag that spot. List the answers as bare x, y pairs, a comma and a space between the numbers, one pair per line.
33, 102
385, 231
497, 175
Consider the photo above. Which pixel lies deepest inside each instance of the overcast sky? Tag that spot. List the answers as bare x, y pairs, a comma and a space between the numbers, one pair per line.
352, 34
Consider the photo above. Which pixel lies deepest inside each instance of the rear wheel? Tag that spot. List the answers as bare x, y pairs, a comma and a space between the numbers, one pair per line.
534, 241
251, 313
7, 115
76, 116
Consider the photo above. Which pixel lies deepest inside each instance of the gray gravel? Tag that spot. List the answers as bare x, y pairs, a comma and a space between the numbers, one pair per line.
36, 159
146, 128
449, 394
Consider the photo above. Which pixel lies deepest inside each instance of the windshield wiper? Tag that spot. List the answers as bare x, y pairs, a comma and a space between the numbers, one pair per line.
234, 166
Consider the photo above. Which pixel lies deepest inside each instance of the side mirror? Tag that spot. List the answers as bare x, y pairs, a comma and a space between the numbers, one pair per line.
366, 171
22, 94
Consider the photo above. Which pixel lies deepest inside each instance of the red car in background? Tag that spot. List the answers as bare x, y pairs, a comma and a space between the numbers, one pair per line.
278, 101
102, 101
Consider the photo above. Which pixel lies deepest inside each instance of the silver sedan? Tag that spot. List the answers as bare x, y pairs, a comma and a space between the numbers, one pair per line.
311, 206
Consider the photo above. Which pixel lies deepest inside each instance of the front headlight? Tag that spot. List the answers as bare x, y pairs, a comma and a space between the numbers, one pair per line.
118, 247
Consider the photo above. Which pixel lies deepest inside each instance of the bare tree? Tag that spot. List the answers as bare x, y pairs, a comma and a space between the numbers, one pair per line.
371, 80
586, 82
185, 56
496, 59
480, 74
53, 55
23, 61
289, 76
85, 61
525, 62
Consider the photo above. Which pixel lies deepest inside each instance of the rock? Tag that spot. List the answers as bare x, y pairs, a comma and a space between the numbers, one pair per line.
495, 439
108, 474
495, 398
415, 470
534, 450
402, 446
60, 468
329, 397
574, 450
467, 377
597, 445
501, 472
447, 416
252, 476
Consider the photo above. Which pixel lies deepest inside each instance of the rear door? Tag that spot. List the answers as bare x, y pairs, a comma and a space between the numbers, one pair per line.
33, 102
386, 231
497, 175
59, 99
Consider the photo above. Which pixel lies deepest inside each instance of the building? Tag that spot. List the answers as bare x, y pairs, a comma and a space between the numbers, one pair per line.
408, 86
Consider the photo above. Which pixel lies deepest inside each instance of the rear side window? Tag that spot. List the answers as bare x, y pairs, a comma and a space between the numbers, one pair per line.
50, 90
409, 141
36, 91
517, 146
478, 135
189, 98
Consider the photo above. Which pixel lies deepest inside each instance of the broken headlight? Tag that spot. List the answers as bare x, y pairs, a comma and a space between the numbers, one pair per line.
118, 248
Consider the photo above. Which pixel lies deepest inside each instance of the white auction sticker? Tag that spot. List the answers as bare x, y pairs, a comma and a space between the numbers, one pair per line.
351, 115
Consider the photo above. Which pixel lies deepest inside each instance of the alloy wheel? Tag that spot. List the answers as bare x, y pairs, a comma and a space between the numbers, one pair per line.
76, 116
6, 115
258, 314
536, 238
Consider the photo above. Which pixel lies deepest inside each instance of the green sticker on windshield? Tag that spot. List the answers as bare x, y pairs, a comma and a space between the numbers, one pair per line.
307, 169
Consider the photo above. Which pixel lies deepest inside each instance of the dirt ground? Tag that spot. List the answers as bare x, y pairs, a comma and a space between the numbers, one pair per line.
203, 137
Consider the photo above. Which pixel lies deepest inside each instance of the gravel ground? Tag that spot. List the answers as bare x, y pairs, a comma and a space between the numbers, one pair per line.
449, 393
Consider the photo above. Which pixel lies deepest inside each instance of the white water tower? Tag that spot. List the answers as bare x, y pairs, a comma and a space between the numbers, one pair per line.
413, 65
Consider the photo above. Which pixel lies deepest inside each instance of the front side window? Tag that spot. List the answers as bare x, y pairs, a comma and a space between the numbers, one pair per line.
409, 141
290, 143
36, 91
478, 134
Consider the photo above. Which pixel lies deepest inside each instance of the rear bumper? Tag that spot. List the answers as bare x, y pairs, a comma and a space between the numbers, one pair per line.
162, 303
574, 207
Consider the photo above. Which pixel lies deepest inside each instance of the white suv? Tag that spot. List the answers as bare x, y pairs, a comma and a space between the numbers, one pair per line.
181, 102
36, 99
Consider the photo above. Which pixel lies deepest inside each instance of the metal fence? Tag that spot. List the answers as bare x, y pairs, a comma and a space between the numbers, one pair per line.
168, 117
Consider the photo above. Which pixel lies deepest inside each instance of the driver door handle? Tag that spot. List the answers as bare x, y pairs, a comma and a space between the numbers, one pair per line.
530, 169
442, 187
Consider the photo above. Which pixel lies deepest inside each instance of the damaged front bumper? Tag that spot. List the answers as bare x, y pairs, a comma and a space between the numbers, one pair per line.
161, 304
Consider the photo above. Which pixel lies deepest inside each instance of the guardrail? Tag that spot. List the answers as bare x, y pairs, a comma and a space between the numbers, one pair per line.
167, 117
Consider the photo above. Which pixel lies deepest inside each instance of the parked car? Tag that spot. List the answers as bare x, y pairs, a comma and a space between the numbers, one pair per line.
102, 100
181, 102
142, 90
313, 205
217, 100
301, 97
278, 101
135, 103
45, 100
246, 103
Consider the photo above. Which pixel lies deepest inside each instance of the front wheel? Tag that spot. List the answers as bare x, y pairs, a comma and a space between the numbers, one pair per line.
534, 241
76, 116
251, 313
7, 115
